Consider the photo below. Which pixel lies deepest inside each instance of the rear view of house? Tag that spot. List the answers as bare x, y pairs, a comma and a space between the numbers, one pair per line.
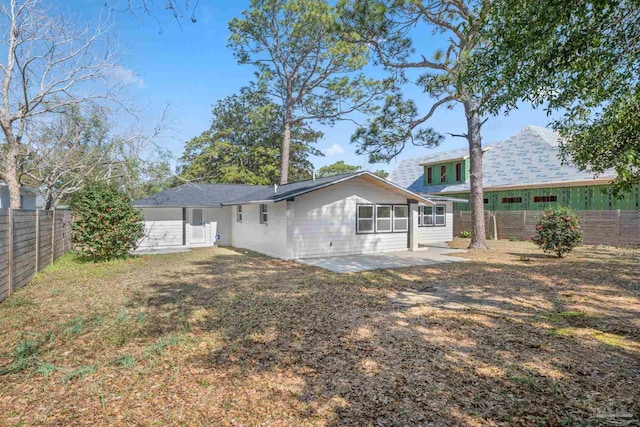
347, 214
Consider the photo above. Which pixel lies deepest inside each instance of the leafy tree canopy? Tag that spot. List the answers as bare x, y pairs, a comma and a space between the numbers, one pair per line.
304, 63
581, 58
336, 168
243, 144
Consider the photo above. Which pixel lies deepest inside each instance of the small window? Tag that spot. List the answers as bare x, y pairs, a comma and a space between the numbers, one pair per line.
239, 214
400, 218
364, 219
440, 217
545, 199
511, 200
486, 201
458, 171
429, 175
383, 218
443, 173
425, 216
264, 216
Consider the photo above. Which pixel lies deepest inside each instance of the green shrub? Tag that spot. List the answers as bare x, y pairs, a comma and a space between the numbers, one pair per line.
558, 231
465, 234
105, 224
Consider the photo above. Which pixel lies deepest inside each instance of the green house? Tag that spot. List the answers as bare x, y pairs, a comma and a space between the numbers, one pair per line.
524, 172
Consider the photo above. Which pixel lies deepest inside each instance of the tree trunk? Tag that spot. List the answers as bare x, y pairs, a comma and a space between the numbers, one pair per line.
11, 167
476, 192
286, 146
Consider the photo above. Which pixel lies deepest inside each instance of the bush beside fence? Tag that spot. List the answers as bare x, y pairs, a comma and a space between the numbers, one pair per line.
29, 241
612, 228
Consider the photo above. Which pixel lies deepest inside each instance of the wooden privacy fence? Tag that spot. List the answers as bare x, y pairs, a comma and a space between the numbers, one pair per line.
29, 241
612, 228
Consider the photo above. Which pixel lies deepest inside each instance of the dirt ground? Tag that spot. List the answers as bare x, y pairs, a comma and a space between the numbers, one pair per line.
232, 338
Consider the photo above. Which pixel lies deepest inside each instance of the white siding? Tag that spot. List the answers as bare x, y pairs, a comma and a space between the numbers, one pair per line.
270, 238
163, 227
221, 224
325, 221
437, 233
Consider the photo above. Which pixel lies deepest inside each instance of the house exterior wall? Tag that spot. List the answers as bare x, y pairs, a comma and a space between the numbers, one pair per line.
162, 226
586, 197
437, 233
270, 238
325, 221
28, 199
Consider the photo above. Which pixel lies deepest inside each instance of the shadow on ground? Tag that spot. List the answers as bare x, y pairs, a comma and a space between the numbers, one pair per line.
543, 341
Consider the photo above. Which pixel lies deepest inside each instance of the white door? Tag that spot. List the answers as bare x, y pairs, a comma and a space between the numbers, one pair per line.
197, 226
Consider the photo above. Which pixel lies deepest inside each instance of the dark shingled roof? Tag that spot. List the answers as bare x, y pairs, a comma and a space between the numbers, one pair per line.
217, 195
198, 195
286, 191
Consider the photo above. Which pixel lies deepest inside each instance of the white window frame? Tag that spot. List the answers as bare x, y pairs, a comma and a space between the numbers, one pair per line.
359, 219
405, 218
389, 219
425, 219
432, 219
239, 213
443, 215
264, 213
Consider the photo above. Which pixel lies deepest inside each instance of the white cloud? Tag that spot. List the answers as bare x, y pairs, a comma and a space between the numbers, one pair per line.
334, 149
127, 77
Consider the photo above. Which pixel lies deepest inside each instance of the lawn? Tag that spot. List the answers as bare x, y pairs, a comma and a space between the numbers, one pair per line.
217, 337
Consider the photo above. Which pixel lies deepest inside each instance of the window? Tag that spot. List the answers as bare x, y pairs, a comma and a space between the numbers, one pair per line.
364, 219
544, 199
443, 173
429, 175
458, 171
429, 216
440, 215
486, 201
264, 216
400, 218
511, 200
383, 218
425, 216
239, 214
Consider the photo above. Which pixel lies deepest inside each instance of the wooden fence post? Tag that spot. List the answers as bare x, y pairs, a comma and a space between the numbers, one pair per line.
618, 229
37, 241
53, 236
10, 252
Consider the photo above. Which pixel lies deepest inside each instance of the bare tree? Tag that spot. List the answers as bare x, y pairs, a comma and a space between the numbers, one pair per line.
52, 63
77, 147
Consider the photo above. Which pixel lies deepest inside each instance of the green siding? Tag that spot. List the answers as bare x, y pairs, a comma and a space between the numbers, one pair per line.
451, 172
593, 197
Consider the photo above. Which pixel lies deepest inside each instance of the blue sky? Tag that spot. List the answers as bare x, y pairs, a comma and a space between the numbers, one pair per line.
189, 67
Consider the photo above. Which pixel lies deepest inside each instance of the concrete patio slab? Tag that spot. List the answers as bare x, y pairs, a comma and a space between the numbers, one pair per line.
160, 251
357, 263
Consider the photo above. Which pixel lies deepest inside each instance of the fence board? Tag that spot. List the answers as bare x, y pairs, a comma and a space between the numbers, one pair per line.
26, 246
613, 228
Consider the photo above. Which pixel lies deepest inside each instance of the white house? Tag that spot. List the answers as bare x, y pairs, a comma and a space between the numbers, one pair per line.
27, 195
345, 214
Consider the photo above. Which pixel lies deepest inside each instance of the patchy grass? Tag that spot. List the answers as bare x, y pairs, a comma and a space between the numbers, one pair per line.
218, 337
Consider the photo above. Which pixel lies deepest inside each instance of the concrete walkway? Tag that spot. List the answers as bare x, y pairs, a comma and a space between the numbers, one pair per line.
356, 263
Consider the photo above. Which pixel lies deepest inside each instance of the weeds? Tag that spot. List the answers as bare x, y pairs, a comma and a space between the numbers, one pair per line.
126, 361
79, 373
163, 344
